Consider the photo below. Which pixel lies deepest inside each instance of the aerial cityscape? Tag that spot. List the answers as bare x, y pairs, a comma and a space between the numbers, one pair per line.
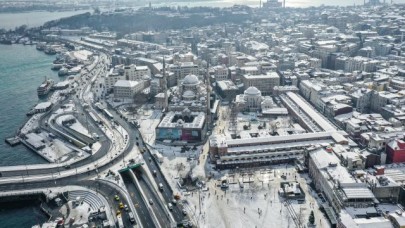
204, 114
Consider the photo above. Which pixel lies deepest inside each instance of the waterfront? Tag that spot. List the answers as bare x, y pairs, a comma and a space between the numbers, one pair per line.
22, 69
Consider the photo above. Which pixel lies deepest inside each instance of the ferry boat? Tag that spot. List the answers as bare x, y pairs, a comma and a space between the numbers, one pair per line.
45, 87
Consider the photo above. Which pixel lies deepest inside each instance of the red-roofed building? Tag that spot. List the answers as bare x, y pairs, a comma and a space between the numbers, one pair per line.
396, 151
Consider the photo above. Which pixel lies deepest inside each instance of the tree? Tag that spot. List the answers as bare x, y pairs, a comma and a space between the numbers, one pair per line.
311, 218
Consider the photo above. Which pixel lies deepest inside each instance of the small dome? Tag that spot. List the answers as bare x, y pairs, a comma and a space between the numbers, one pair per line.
189, 94
191, 80
252, 91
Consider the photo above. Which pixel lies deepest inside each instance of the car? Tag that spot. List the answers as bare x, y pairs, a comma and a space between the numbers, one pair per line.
170, 206
184, 211
174, 201
117, 198
131, 217
126, 208
121, 205
154, 173
118, 212
150, 201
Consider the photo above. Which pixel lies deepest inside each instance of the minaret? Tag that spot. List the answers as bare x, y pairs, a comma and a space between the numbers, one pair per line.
165, 84
207, 81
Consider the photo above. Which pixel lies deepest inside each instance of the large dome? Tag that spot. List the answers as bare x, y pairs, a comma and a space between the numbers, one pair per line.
252, 91
191, 80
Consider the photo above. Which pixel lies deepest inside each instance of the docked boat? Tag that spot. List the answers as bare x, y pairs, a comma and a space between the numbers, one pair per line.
57, 66
6, 41
64, 71
40, 46
50, 51
45, 87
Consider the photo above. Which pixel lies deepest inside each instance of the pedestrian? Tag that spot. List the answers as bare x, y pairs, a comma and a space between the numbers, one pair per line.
251, 197
244, 210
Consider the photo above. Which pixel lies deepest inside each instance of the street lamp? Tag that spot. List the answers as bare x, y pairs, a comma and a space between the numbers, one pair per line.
26, 168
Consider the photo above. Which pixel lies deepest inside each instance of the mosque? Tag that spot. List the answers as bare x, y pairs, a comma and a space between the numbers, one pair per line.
253, 101
186, 113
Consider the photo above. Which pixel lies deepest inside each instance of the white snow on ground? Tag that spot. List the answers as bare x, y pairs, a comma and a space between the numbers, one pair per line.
148, 120
78, 213
31, 124
239, 207
77, 126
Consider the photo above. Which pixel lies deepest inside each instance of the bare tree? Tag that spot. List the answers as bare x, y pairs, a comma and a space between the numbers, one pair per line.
179, 167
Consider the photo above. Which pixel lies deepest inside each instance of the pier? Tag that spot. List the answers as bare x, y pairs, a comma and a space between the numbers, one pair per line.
13, 141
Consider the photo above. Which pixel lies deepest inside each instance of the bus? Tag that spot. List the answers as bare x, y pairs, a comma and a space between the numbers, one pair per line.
108, 114
94, 118
120, 222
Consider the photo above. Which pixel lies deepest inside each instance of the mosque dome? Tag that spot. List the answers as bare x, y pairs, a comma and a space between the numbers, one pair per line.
191, 80
252, 91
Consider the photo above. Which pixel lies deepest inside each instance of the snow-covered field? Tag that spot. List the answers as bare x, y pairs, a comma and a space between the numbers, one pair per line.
257, 204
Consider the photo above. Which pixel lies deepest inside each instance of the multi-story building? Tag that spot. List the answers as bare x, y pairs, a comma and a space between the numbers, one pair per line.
265, 82
397, 83
361, 99
129, 73
183, 69
380, 99
396, 151
127, 89
336, 183
221, 73
227, 90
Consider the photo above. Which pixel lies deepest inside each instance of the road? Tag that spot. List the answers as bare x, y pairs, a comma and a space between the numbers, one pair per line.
167, 192
157, 205
160, 178
141, 208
